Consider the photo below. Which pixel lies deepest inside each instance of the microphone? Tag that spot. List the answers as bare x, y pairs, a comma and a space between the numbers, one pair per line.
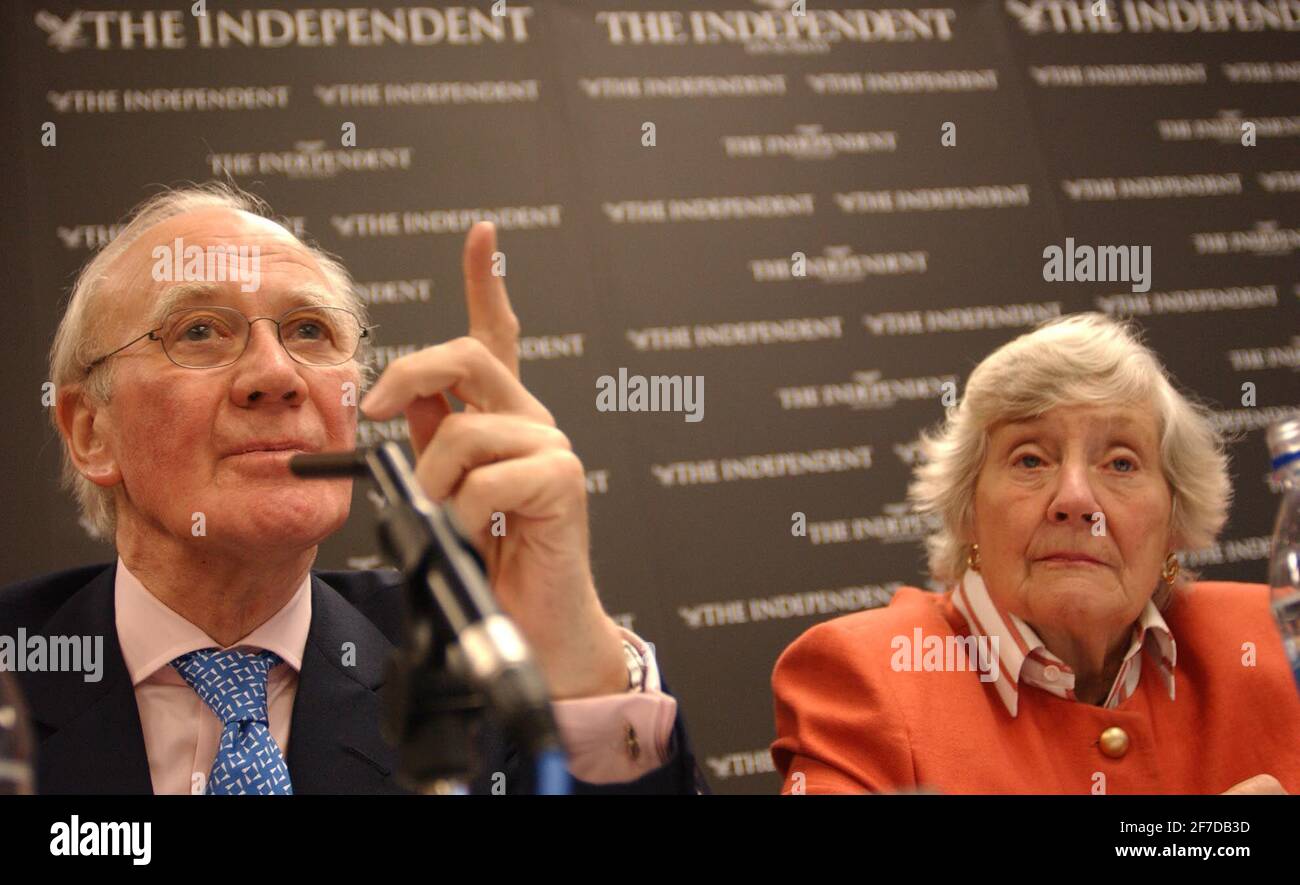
449, 595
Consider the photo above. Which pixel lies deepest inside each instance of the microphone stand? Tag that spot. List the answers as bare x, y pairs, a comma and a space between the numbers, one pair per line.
460, 656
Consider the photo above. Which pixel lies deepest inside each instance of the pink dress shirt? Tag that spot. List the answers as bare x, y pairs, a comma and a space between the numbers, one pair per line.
604, 736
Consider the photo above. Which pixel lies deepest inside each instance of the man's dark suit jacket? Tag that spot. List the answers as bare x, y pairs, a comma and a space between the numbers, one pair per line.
88, 734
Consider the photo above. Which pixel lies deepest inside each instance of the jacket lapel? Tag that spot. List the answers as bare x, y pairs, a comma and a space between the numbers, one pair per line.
88, 733
335, 745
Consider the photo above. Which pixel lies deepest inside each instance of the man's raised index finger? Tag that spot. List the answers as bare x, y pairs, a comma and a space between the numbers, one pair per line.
491, 319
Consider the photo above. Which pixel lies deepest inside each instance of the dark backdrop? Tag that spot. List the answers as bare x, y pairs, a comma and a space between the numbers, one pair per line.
921, 256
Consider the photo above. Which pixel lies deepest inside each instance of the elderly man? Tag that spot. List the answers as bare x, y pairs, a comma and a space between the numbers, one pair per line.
229, 666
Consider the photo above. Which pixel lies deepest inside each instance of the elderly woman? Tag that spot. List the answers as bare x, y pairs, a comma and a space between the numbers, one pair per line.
1070, 653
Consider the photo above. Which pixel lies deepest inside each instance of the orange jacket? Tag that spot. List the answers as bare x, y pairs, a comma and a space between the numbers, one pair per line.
847, 722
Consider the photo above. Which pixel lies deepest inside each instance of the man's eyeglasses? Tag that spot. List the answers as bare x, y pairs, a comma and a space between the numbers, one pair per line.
212, 337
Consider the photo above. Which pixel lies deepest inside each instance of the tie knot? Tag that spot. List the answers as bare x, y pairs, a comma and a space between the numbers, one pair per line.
232, 683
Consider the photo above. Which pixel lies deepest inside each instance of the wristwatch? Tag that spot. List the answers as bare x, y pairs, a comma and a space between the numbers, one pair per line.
636, 667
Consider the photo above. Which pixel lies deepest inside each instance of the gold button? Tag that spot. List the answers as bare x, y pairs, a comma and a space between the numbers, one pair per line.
633, 745
1114, 742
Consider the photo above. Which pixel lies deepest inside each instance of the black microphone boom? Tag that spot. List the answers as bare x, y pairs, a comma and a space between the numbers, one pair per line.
449, 599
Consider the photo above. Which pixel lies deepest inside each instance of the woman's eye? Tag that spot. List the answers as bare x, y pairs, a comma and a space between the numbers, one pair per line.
1024, 459
1124, 465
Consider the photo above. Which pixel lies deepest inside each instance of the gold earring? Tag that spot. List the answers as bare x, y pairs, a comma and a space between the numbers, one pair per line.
1170, 571
973, 558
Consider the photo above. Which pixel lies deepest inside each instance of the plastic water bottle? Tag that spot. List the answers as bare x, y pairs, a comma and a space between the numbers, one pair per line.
1284, 563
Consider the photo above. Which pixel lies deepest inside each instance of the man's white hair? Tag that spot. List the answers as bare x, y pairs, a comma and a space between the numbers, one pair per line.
1082, 359
78, 342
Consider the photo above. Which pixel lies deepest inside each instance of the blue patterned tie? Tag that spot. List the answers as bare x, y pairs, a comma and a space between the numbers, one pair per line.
233, 684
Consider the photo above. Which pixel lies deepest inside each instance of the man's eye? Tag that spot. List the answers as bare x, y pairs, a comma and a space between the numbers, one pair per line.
310, 330
198, 332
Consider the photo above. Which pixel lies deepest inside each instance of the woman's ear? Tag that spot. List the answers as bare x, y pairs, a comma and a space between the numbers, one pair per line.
966, 526
84, 425
1174, 541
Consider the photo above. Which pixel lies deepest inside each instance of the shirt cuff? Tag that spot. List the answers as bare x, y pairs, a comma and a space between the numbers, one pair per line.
619, 737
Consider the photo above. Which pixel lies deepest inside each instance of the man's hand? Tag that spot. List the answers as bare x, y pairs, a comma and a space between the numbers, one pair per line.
502, 462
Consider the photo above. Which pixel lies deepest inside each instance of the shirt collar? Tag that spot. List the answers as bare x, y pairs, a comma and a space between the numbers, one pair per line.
1022, 657
152, 635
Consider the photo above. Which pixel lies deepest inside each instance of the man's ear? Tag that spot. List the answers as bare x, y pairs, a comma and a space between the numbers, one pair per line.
83, 424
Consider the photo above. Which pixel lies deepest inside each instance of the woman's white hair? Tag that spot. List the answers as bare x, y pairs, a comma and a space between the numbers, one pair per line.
77, 342
1082, 359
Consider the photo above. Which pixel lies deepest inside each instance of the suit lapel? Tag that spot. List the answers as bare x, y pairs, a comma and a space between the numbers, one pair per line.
335, 745
89, 735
